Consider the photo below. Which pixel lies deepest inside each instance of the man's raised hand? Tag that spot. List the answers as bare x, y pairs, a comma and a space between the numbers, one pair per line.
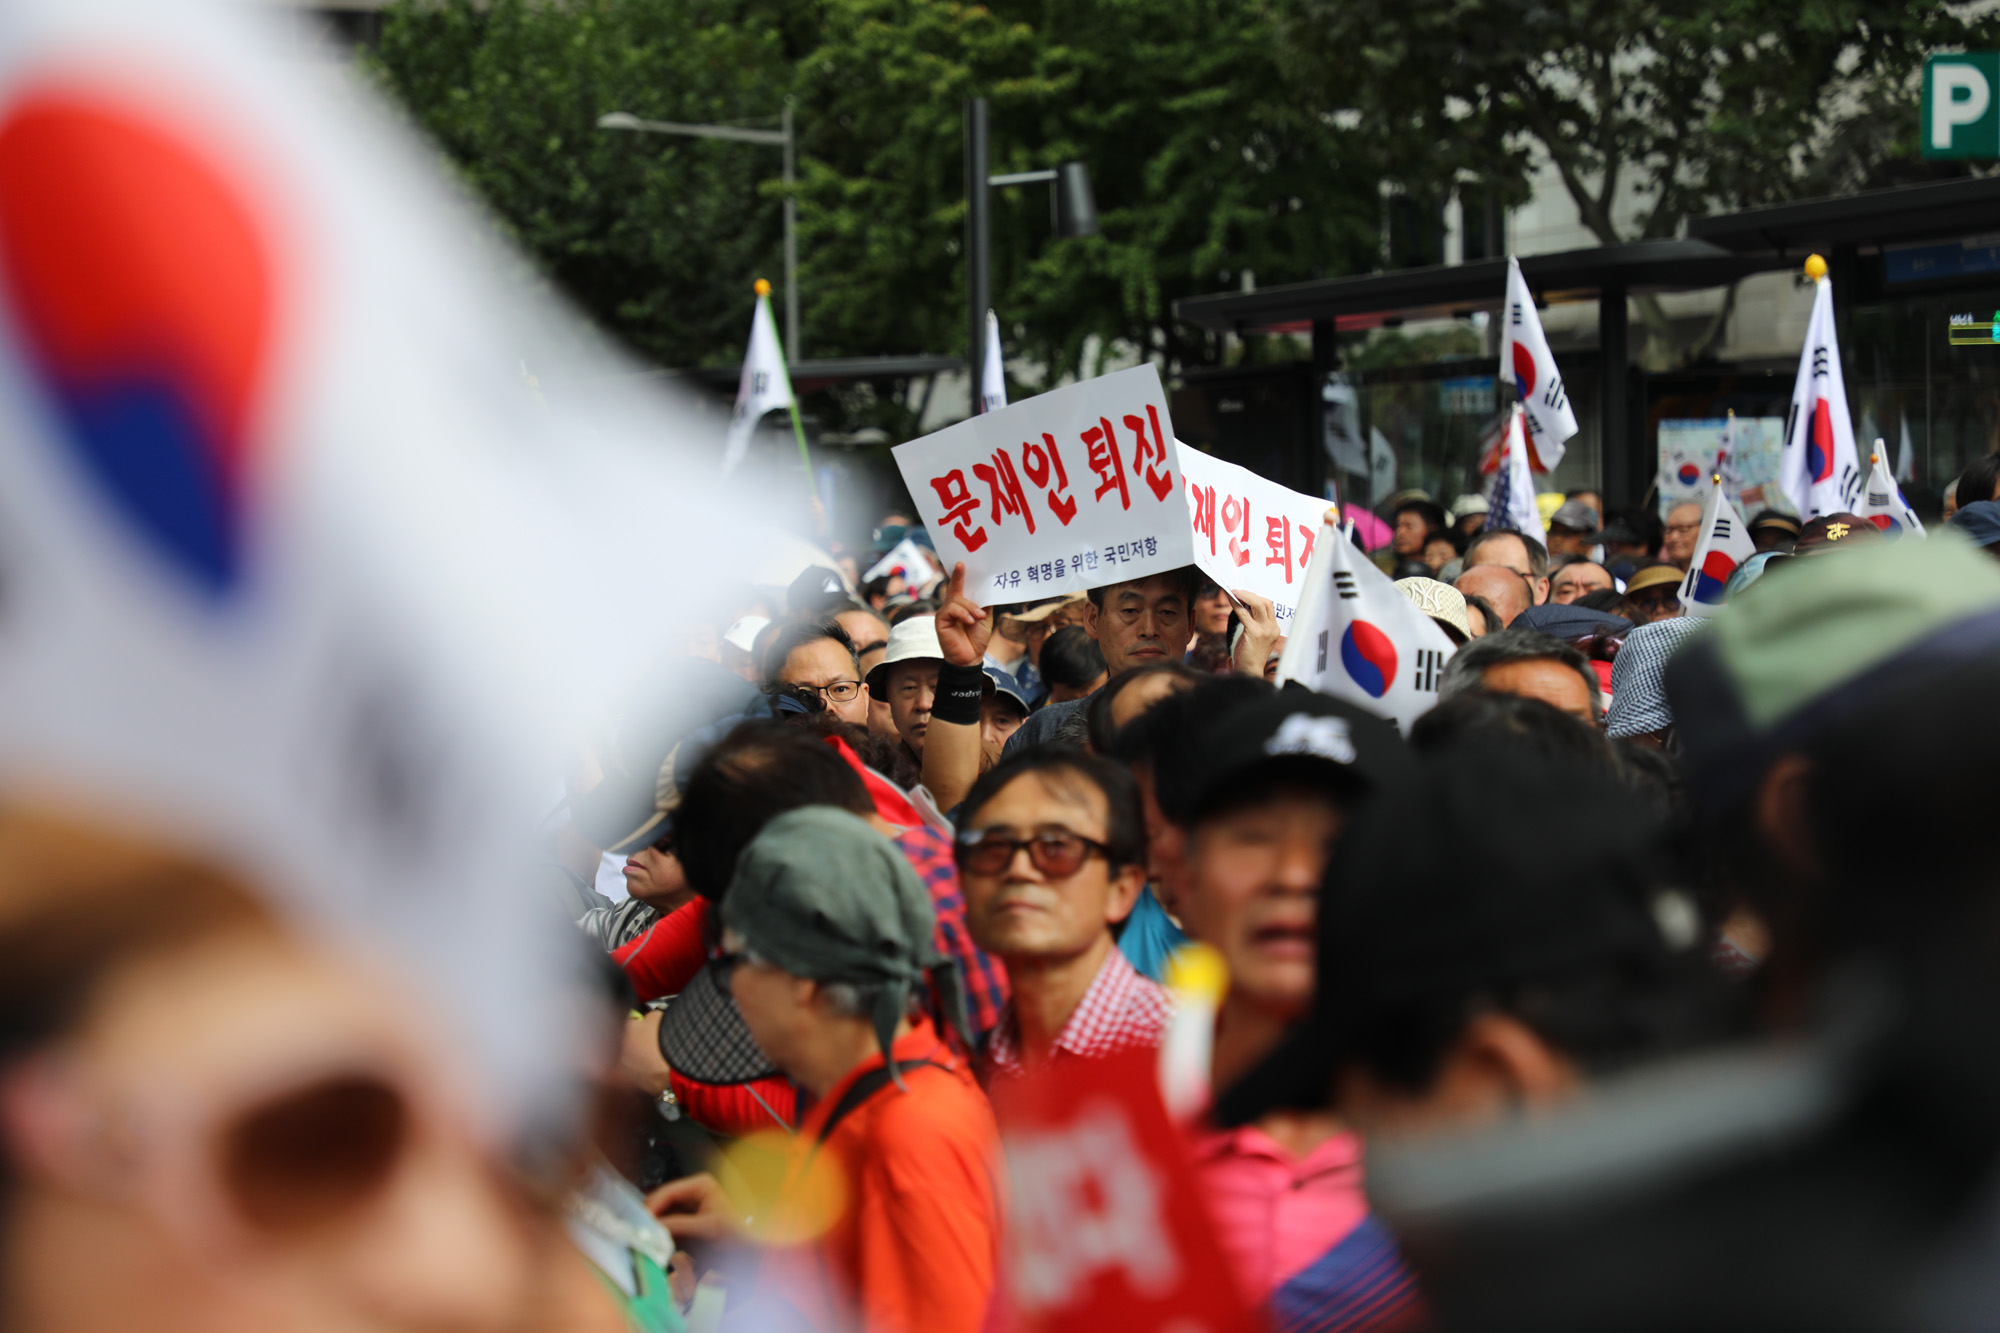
963, 626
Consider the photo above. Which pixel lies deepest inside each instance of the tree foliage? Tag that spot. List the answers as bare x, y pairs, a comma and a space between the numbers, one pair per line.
1651, 111
1205, 167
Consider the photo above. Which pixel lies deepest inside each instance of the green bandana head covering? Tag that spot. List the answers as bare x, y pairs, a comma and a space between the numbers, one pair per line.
822, 895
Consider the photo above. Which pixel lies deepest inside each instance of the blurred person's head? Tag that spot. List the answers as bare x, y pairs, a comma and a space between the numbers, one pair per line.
1450, 999
1682, 533
1631, 537
881, 720
1051, 856
1126, 697
1639, 710
1500, 589
1468, 515
1142, 621
1573, 528
1438, 552
1512, 550
1592, 501
1444, 604
1211, 609
1036, 624
1950, 499
867, 628
1481, 619
737, 649
1264, 786
1480, 719
655, 877
1578, 576
755, 773
907, 678
1830, 533
1416, 522
1979, 481
1773, 530
814, 661
207, 1122
1528, 663
1753, 694
827, 941
1003, 707
1072, 664
1653, 593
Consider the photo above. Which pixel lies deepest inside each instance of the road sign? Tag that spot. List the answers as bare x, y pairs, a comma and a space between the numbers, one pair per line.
1961, 114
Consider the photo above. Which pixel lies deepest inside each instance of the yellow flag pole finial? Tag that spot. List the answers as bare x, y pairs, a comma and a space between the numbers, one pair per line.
762, 287
1815, 267
1717, 478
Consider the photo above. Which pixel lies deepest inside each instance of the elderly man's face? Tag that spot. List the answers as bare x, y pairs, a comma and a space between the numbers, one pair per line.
1566, 541
1143, 621
912, 688
1510, 552
1411, 533
1683, 530
1546, 679
828, 669
1574, 581
1500, 586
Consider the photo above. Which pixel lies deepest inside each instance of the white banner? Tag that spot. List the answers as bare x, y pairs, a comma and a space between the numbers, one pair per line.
1250, 532
1358, 638
1072, 489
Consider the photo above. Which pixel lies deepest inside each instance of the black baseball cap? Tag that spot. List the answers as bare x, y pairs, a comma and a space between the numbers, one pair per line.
1407, 916
1292, 734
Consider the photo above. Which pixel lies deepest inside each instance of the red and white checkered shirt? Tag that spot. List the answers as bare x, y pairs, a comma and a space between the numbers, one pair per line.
1120, 1011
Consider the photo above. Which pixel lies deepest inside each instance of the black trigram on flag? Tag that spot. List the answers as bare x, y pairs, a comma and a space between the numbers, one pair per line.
1320, 669
1819, 360
760, 380
1343, 583
1721, 528
1850, 483
1878, 499
1429, 663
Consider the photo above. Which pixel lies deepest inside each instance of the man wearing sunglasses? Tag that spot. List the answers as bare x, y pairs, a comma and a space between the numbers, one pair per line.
1051, 857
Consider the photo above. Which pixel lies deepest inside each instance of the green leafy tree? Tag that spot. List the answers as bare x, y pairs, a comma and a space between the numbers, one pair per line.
1650, 112
658, 237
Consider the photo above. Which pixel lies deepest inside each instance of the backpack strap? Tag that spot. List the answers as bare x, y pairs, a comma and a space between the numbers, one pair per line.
859, 1091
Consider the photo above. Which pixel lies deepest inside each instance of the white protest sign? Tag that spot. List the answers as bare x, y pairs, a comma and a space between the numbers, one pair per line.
1250, 532
1073, 489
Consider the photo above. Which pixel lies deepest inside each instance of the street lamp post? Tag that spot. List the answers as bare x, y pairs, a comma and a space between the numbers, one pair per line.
625, 120
1073, 205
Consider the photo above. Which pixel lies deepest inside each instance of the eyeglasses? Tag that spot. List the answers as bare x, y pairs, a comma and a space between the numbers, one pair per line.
840, 692
1059, 855
1683, 528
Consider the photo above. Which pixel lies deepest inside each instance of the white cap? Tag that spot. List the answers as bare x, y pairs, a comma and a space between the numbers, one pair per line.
743, 634
915, 637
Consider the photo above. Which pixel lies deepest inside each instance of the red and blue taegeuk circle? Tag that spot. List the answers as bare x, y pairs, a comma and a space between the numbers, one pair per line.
1369, 656
1689, 474
1712, 579
140, 288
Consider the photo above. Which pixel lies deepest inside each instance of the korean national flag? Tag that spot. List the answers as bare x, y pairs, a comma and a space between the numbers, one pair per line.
1818, 468
1882, 501
1725, 544
1357, 638
1527, 364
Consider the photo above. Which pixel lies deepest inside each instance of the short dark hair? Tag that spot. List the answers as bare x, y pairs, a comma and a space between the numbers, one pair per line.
1124, 821
1190, 581
1071, 658
1474, 602
1480, 718
1979, 480
1468, 666
1608, 600
1430, 511
1167, 736
1538, 554
793, 635
754, 774
1103, 736
923, 606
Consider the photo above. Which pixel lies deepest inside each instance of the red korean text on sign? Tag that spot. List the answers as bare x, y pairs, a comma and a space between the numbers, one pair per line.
1105, 462
1278, 538
1201, 512
1159, 479
1236, 522
959, 506
1039, 461
1005, 487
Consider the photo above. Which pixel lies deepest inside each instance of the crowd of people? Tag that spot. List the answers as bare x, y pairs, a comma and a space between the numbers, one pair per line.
1647, 982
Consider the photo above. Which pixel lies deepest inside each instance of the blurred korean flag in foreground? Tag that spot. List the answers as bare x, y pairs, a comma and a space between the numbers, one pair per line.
294, 568
1358, 638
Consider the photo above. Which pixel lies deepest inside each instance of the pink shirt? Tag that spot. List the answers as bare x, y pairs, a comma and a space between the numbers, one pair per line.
1274, 1213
